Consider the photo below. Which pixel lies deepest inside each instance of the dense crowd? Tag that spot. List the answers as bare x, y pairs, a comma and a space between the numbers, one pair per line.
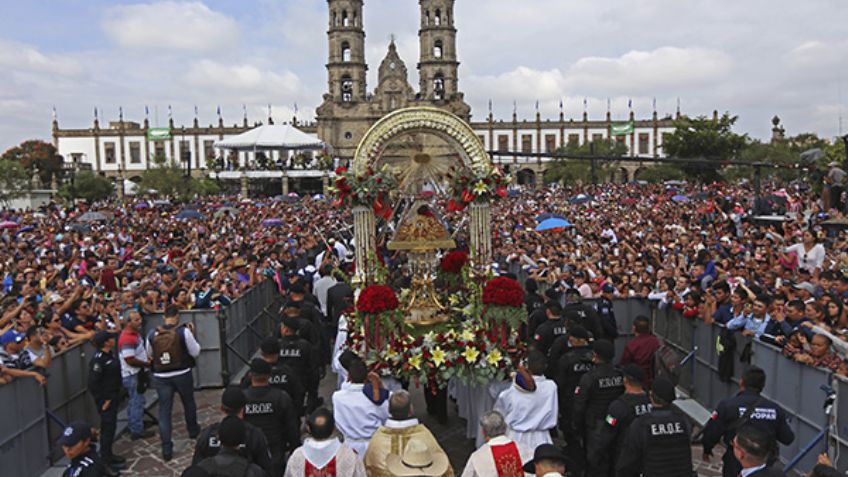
71, 276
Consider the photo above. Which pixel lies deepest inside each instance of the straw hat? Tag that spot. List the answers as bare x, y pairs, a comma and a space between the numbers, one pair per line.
417, 460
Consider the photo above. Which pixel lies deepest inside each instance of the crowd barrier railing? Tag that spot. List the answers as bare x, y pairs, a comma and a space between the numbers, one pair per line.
36, 415
795, 387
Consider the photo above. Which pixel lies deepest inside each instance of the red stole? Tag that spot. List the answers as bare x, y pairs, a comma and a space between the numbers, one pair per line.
507, 460
328, 470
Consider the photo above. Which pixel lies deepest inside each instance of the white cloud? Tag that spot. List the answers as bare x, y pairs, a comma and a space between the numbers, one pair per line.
240, 78
171, 26
19, 58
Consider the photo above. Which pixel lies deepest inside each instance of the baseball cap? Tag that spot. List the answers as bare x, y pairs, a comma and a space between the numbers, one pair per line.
663, 389
608, 288
634, 371
579, 332
260, 367
232, 431
11, 336
75, 433
806, 286
270, 346
604, 349
233, 398
102, 337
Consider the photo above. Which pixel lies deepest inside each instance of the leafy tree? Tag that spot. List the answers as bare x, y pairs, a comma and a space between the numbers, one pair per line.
13, 180
661, 173
580, 170
34, 153
704, 138
88, 186
169, 179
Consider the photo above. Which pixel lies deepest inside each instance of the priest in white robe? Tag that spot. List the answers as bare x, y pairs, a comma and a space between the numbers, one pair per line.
500, 456
322, 454
530, 406
357, 417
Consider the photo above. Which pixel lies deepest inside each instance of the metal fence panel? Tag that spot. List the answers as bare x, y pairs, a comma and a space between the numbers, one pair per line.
839, 429
67, 394
247, 321
23, 430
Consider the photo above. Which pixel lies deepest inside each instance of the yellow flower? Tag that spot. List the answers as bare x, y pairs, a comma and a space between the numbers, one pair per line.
453, 300
480, 188
438, 356
415, 361
391, 353
494, 357
471, 354
467, 335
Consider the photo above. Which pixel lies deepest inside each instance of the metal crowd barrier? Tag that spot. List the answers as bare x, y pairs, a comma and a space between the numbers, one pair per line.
838, 438
795, 387
36, 415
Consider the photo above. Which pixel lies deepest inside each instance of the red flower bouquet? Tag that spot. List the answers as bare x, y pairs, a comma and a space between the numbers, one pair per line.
454, 261
503, 291
377, 299
503, 301
471, 186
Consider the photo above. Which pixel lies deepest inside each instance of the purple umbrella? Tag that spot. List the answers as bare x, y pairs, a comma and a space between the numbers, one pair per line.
8, 224
273, 222
141, 206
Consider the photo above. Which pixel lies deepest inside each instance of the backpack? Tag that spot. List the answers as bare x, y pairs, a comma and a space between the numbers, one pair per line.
667, 363
168, 350
237, 468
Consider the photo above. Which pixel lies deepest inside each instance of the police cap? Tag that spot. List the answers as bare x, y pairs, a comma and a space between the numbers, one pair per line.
663, 389
260, 367
270, 345
604, 349
578, 332
231, 432
233, 398
633, 372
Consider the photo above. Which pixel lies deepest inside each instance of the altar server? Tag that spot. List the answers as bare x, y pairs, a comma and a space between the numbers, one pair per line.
530, 406
357, 417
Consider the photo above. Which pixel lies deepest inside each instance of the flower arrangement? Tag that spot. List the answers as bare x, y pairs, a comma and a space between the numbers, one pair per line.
469, 186
370, 190
377, 311
454, 261
503, 305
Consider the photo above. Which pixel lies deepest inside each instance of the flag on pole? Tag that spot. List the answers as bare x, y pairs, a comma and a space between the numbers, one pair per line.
120, 113
678, 104
195, 110
585, 104
170, 112
490, 106
514, 107
630, 104
622, 129
269, 110
560, 105
146, 112
54, 112
95, 112
295, 108
608, 105
218, 111
654, 103
537, 105
244, 110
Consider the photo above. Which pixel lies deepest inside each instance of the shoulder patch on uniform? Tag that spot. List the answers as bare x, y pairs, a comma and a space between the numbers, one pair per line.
611, 420
714, 415
96, 367
577, 390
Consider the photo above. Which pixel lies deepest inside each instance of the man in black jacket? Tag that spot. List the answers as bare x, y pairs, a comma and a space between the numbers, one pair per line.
272, 411
283, 377
579, 313
104, 384
567, 371
657, 444
254, 447
228, 462
299, 355
745, 407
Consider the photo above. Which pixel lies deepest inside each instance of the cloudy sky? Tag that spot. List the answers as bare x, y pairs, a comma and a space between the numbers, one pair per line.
754, 58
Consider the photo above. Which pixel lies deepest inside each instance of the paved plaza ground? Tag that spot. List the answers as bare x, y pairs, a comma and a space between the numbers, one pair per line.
144, 457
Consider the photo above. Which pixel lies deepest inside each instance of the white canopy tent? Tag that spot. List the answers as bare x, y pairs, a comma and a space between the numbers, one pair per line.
272, 137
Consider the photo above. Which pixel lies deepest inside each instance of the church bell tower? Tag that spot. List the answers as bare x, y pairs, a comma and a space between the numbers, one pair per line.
438, 65
346, 66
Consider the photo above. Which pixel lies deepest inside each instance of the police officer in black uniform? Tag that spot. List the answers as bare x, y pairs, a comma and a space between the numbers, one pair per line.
539, 315
573, 359
621, 413
283, 376
597, 389
550, 330
747, 407
76, 444
104, 384
272, 411
255, 446
299, 355
229, 462
609, 327
579, 313
658, 443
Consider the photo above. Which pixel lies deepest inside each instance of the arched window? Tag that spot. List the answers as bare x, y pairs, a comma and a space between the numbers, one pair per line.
426, 17
345, 51
439, 87
355, 19
347, 88
335, 19
345, 19
437, 20
437, 49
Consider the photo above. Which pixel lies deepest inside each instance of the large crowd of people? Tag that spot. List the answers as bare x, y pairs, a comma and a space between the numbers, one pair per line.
93, 274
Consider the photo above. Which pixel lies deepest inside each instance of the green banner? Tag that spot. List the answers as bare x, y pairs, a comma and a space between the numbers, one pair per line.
158, 134
622, 129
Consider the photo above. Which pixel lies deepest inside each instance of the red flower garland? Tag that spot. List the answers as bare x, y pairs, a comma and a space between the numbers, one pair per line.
376, 299
503, 291
454, 261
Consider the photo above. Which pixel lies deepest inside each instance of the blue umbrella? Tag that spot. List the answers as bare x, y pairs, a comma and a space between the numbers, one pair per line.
548, 215
190, 214
513, 193
553, 224
580, 199
680, 198
273, 222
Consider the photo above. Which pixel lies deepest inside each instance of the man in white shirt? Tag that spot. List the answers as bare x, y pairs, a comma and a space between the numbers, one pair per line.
530, 407
133, 356
500, 456
322, 285
357, 417
173, 349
